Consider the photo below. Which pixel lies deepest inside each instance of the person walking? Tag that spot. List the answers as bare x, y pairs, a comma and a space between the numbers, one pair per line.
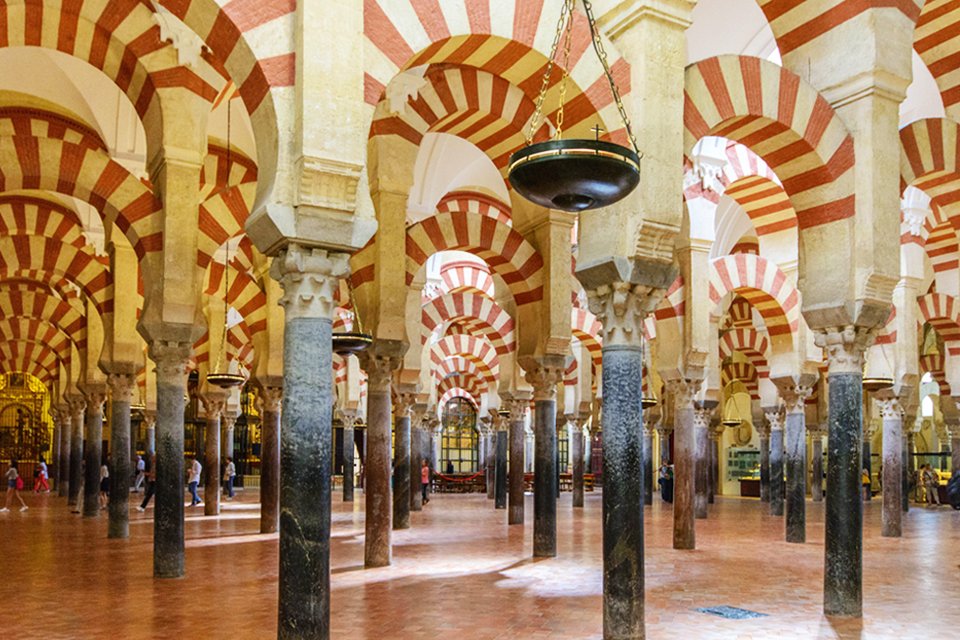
41, 477
104, 495
424, 480
151, 479
193, 480
229, 473
141, 469
931, 482
14, 486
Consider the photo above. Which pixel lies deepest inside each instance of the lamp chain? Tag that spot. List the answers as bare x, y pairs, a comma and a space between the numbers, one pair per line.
537, 116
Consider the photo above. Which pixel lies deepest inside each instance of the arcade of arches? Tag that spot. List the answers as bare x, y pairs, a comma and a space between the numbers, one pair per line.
194, 187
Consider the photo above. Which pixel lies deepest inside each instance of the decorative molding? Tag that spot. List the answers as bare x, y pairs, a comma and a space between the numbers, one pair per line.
544, 378
172, 360
309, 278
326, 183
845, 346
121, 386
270, 399
621, 307
380, 369
684, 391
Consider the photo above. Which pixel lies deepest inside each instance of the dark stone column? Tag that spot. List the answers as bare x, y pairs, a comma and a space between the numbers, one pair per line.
716, 439
701, 426
309, 278
544, 375
213, 405
816, 466
379, 365
867, 457
121, 391
794, 396
623, 557
66, 430
227, 422
271, 417
647, 453
843, 564
347, 446
576, 460
77, 407
518, 408
416, 458
491, 457
907, 447
172, 359
93, 454
664, 431
892, 467
150, 420
53, 455
402, 463
775, 418
684, 391
500, 471
954, 450
764, 431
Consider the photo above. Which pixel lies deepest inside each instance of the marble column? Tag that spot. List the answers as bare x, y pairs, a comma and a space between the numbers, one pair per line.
77, 407
663, 431
647, 452
544, 376
121, 394
66, 430
172, 360
417, 455
843, 558
500, 469
775, 420
684, 444
228, 421
53, 454
794, 396
905, 469
213, 405
576, 453
402, 408
763, 430
701, 457
270, 398
816, 466
954, 450
379, 498
490, 437
716, 442
150, 420
93, 455
309, 278
890, 412
866, 453
518, 406
348, 417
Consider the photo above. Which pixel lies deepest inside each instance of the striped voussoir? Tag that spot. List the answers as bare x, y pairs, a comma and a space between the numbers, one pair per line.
30, 357
227, 192
488, 318
40, 123
474, 385
44, 306
763, 285
462, 277
478, 203
888, 333
935, 364
22, 214
782, 119
937, 41
458, 392
42, 332
570, 374
743, 372
930, 161
245, 294
749, 342
477, 350
586, 328
942, 312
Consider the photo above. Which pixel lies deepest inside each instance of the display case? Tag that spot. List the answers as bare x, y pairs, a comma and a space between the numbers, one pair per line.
743, 462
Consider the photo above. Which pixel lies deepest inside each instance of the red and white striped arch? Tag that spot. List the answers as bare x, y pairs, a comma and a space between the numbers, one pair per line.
39, 123
470, 383
36, 303
937, 40
462, 276
763, 285
745, 373
477, 350
942, 312
475, 202
38, 331
245, 294
227, 194
30, 357
586, 328
783, 120
457, 392
30, 215
935, 365
930, 161
751, 344
484, 314
942, 247
765, 203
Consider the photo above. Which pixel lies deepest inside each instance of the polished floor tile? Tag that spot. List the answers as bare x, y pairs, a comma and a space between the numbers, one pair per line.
461, 573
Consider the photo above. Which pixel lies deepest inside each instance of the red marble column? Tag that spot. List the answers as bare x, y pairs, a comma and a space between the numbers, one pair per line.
213, 405
270, 399
684, 391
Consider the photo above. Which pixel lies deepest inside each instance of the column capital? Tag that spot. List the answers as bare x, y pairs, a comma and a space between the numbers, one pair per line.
774, 417
269, 398
890, 408
844, 346
213, 404
309, 278
716, 431
621, 308
380, 368
403, 401
501, 421
77, 403
701, 417
346, 416
763, 428
228, 419
95, 395
172, 358
664, 429
149, 418
794, 392
121, 386
684, 390
544, 374
517, 404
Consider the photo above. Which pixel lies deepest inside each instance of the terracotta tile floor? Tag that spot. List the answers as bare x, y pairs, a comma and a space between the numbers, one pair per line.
460, 573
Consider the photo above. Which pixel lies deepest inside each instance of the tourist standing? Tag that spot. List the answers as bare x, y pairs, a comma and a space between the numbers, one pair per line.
424, 480
151, 475
865, 481
666, 482
14, 485
104, 485
141, 468
41, 477
229, 473
193, 480
931, 482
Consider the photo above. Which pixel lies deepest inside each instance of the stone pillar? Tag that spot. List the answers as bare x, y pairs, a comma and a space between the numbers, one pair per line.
271, 415
544, 377
892, 416
954, 450
684, 391
763, 430
794, 396
348, 417
150, 420
490, 455
227, 422
868, 431
418, 452
403, 404
663, 432
121, 393
906, 465
701, 428
53, 455
576, 453
213, 405
647, 452
379, 501
77, 407
775, 419
816, 467
172, 360
93, 455
500, 469
518, 406
66, 430
843, 564
309, 278
716, 442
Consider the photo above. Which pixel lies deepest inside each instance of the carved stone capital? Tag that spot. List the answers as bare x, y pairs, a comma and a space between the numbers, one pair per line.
403, 403
94, 395
763, 428
621, 308
172, 360
794, 396
890, 408
775, 418
683, 390
149, 419
544, 378
121, 386
213, 404
664, 429
701, 417
380, 369
309, 278
269, 399
517, 405
844, 347
346, 416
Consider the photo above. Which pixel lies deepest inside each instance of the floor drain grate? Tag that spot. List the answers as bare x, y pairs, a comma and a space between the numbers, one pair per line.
732, 613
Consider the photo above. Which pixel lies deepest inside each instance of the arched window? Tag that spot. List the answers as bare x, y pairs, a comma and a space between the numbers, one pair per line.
459, 440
